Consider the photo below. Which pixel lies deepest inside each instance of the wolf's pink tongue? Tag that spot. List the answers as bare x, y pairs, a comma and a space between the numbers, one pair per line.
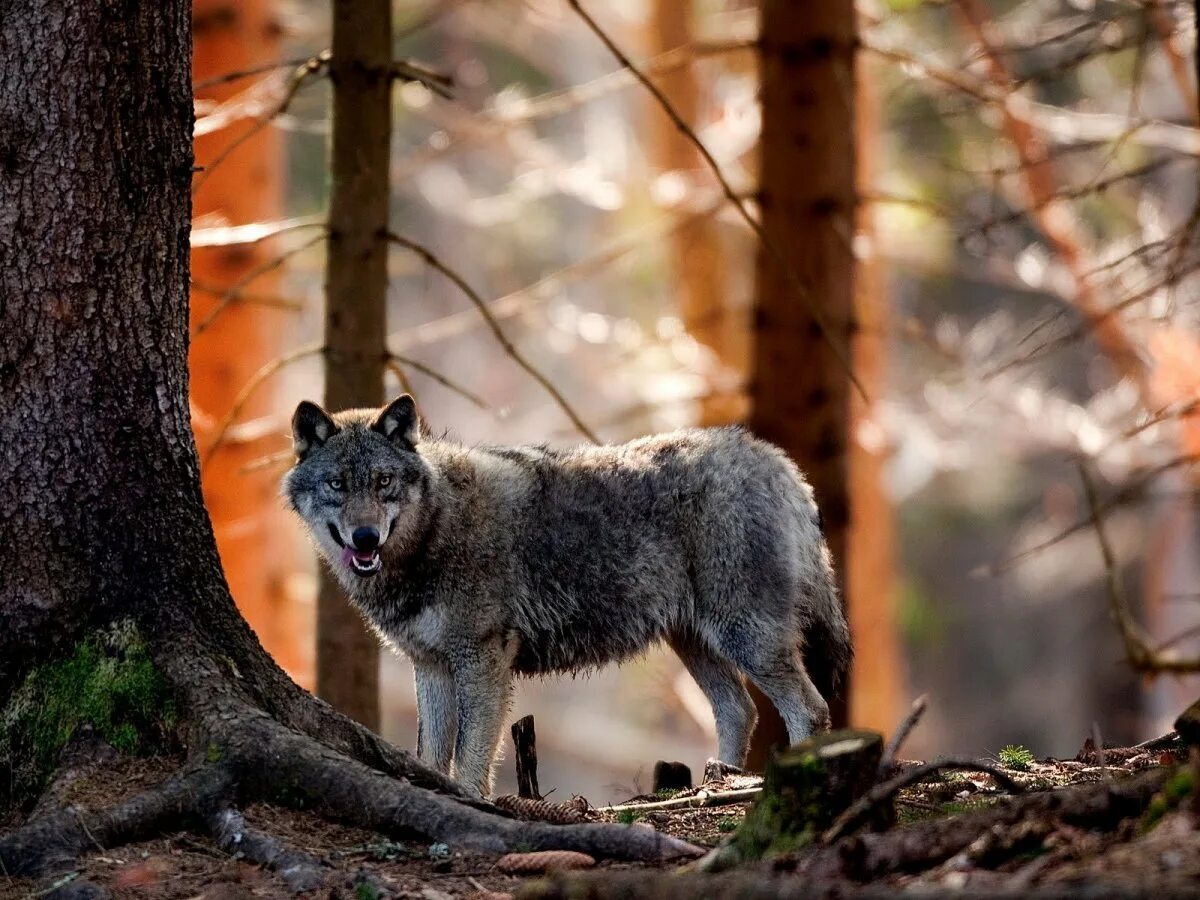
347, 555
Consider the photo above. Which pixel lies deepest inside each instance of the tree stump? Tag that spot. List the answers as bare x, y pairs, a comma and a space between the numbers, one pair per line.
671, 776
805, 788
525, 748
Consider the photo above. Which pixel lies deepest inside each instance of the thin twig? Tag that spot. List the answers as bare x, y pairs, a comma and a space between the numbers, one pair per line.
794, 280
466, 394
480, 304
248, 389
885, 790
311, 67
1133, 637
234, 292
239, 74
437, 82
888, 760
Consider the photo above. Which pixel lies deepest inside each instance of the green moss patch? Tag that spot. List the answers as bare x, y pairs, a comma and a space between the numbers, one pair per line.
109, 682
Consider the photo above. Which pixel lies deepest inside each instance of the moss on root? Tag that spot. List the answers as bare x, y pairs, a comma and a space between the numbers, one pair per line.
107, 681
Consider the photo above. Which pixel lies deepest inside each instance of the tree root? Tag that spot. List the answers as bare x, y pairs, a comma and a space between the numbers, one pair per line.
240, 753
300, 871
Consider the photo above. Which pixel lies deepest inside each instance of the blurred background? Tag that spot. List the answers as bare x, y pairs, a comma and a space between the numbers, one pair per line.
1022, 237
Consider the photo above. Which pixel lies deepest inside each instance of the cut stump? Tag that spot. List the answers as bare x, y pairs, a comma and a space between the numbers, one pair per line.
805, 788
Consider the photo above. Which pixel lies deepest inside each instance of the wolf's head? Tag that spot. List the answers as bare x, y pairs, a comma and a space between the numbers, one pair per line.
359, 483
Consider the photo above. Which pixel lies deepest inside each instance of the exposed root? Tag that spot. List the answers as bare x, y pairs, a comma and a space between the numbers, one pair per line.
55, 839
300, 871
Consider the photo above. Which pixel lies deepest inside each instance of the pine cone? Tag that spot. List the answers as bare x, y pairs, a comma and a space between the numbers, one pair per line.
539, 810
544, 861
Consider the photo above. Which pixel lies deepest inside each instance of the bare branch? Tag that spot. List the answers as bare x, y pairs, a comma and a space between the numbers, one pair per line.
239, 74
794, 280
234, 293
310, 68
248, 390
395, 358
481, 305
902, 732
1137, 643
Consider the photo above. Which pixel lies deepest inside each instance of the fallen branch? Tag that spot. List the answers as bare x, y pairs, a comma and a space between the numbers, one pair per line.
888, 762
861, 808
698, 799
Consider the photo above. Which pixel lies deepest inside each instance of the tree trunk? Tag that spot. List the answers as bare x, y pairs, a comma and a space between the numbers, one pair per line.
258, 548
799, 391
102, 514
696, 251
874, 695
355, 298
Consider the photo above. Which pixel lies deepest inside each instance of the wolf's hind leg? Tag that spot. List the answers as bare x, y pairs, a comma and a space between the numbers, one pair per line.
722, 684
437, 715
779, 673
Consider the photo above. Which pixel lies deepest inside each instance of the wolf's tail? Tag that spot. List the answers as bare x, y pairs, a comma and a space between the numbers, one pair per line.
827, 647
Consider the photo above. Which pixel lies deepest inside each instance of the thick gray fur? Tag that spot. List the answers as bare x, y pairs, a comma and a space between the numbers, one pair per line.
532, 560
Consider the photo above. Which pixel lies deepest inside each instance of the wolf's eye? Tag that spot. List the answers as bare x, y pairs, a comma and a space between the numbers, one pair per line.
336, 483
385, 480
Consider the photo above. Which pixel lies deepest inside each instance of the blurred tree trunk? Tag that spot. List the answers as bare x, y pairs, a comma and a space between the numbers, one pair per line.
356, 294
799, 391
875, 693
696, 251
254, 535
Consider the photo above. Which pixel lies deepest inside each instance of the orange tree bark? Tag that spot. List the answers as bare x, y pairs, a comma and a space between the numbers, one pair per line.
101, 514
799, 391
875, 694
696, 251
255, 540
355, 297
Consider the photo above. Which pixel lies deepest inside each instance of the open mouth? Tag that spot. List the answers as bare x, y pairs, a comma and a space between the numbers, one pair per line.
362, 562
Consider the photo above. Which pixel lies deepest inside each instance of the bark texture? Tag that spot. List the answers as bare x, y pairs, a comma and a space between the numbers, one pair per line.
101, 517
799, 391
355, 303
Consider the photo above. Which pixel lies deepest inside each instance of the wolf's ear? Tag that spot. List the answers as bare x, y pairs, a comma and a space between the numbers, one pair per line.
311, 427
399, 422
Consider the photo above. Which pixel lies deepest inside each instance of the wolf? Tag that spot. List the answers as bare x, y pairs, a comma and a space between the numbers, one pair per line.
485, 562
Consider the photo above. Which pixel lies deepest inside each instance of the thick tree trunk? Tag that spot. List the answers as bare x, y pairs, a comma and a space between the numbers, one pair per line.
102, 518
101, 504
800, 392
355, 313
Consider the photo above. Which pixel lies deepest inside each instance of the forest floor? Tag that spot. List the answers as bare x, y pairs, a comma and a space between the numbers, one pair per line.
1147, 849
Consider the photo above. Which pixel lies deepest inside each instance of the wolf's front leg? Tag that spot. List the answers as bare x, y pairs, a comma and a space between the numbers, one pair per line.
483, 683
437, 715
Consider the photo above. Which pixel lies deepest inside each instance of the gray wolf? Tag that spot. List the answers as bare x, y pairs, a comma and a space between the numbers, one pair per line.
481, 563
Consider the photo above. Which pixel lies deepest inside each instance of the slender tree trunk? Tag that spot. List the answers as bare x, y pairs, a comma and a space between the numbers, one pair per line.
875, 695
356, 293
101, 515
257, 546
696, 251
800, 393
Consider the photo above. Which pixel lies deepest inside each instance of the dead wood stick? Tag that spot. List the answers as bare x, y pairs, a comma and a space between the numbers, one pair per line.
901, 735
525, 745
700, 798
884, 791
